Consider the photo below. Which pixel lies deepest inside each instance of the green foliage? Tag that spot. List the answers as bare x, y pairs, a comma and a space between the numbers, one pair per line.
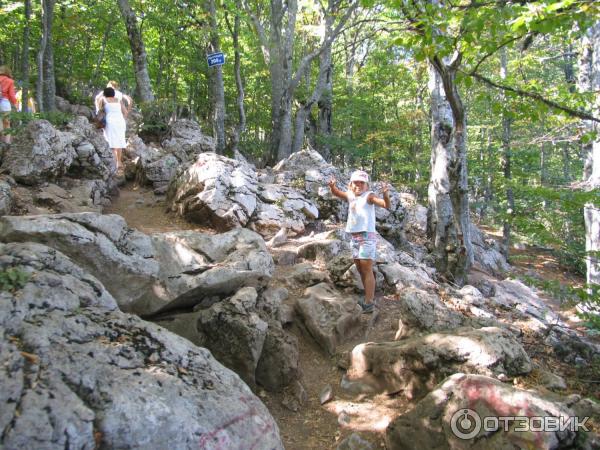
156, 117
20, 119
13, 279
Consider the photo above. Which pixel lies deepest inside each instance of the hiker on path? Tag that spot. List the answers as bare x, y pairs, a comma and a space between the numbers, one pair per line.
114, 131
118, 95
7, 97
361, 226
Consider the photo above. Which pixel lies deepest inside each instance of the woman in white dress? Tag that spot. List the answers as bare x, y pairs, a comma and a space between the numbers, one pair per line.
114, 131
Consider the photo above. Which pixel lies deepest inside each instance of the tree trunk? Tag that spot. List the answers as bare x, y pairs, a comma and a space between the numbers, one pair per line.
218, 95
278, 53
138, 52
324, 123
506, 164
241, 127
304, 111
25, 58
448, 215
584, 84
592, 244
591, 173
47, 85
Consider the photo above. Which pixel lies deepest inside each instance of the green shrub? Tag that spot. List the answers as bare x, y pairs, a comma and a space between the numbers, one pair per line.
13, 279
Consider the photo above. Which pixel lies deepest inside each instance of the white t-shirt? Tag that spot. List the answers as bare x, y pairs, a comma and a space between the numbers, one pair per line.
361, 213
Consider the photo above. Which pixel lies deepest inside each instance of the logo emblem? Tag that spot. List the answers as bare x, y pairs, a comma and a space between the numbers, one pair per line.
465, 424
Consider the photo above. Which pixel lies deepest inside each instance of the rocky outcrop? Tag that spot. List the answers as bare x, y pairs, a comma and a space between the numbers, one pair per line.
330, 317
194, 267
75, 370
414, 366
145, 275
453, 416
255, 347
215, 191
422, 311
185, 140
103, 245
39, 153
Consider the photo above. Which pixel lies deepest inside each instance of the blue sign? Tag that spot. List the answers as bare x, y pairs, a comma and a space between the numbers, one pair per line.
215, 59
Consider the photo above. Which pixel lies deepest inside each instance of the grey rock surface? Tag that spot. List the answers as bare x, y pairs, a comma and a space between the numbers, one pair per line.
78, 373
197, 265
120, 257
414, 366
329, 316
430, 424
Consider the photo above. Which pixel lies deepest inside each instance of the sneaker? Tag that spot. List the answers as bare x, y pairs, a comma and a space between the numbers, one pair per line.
367, 308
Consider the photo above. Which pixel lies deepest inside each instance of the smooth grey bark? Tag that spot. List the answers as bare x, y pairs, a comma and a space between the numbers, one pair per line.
592, 245
138, 52
584, 84
277, 47
25, 57
46, 85
448, 221
506, 164
591, 173
325, 117
320, 85
218, 90
241, 126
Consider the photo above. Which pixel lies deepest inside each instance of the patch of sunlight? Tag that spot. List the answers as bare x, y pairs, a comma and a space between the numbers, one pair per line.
361, 416
158, 372
183, 252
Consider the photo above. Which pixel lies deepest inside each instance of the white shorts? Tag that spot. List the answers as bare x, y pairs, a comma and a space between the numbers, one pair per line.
4, 105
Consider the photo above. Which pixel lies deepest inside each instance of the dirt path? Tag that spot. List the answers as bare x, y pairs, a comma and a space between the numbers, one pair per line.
317, 426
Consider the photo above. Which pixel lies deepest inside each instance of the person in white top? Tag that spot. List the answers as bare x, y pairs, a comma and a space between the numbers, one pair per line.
118, 95
361, 226
114, 131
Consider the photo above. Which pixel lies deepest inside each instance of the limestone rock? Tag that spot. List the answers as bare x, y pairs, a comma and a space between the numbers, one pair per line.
329, 317
74, 370
414, 366
464, 398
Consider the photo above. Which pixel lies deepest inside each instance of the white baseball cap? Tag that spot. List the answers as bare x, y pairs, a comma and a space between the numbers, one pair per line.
359, 175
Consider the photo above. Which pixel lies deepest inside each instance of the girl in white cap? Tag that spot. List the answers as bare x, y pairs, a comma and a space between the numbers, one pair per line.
361, 226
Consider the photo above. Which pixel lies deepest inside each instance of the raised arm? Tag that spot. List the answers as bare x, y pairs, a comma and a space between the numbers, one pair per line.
335, 191
382, 202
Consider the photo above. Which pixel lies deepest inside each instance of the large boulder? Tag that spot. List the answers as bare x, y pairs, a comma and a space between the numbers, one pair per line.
487, 254
414, 366
330, 317
422, 311
186, 140
67, 195
94, 157
216, 191
233, 330
282, 207
64, 106
38, 153
195, 266
144, 274
120, 257
78, 373
469, 411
